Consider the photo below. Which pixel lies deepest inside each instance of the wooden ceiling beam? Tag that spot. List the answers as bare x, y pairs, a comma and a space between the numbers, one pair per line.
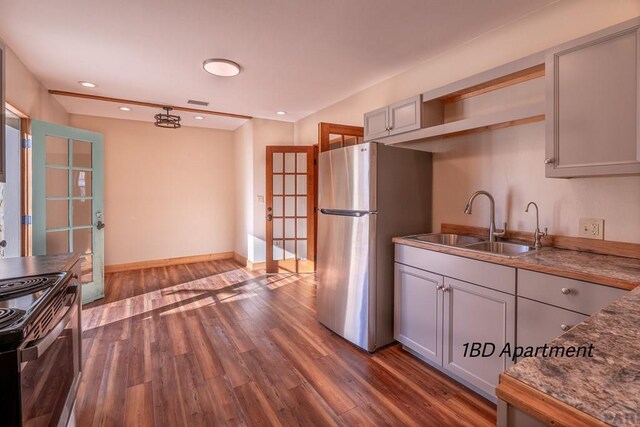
147, 104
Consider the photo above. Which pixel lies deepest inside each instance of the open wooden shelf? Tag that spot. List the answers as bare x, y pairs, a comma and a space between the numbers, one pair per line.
434, 122
516, 116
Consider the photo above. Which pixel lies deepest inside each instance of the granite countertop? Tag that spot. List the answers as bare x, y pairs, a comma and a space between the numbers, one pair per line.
606, 270
605, 386
29, 266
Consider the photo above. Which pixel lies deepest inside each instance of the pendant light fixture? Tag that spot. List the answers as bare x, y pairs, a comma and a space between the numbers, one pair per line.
167, 120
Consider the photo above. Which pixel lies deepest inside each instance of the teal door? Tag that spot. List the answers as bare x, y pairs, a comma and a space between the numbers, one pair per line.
67, 165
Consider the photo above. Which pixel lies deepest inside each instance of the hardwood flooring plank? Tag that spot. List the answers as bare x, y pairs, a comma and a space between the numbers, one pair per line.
138, 411
215, 344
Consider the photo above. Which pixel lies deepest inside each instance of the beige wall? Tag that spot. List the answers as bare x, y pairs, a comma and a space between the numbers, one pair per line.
168, 193
251, 141
26, 93
507, 162
244, 196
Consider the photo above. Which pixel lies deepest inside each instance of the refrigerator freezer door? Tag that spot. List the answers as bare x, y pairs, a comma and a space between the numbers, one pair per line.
346, 275
347, 178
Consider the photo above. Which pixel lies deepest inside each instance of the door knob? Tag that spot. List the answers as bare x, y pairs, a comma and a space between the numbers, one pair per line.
3, 244
548, 161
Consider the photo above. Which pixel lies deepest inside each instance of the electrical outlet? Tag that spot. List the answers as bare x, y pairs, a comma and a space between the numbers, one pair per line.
591, 228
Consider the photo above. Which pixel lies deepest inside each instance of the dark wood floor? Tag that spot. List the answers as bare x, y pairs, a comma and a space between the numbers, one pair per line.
214, 344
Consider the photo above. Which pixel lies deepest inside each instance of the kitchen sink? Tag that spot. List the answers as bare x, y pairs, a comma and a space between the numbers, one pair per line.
501, 248
447, 239
476, 244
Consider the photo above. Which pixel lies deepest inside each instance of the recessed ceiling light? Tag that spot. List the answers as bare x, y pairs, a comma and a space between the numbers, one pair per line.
221, 67
198, 117
281, 113
87, 84
125, 108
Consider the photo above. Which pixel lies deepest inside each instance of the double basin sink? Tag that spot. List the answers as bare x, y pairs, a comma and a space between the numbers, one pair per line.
509, 249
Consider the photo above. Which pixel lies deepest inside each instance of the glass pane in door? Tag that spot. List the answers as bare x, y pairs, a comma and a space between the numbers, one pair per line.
57, 151
81, 154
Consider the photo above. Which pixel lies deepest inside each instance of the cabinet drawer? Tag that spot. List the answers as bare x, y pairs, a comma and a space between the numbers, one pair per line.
583, 297
540, 323
492, 276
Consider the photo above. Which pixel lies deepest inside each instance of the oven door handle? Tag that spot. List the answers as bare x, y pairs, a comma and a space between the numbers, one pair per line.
33, 352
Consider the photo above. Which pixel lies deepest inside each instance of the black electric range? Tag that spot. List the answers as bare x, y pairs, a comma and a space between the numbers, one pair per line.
21, 301
39, 348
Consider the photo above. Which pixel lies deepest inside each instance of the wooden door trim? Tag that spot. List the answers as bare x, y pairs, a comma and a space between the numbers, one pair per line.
25, 179
326, 129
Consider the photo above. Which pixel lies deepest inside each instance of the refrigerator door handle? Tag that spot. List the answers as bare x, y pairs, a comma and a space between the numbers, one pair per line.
345, 213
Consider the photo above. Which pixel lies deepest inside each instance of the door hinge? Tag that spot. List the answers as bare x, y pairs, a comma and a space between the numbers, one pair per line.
27, 219
26, 142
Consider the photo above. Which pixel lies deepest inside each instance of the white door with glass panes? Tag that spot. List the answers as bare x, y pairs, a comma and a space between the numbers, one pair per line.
67, 165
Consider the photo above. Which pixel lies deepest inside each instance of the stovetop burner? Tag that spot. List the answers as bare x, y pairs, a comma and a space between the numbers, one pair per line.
9, 315
13, 287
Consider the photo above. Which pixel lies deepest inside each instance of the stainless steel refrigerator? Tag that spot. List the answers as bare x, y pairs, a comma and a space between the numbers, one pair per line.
368, 193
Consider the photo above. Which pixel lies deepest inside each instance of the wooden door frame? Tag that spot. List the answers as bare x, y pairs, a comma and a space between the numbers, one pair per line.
325, 130
311, 201
26, 248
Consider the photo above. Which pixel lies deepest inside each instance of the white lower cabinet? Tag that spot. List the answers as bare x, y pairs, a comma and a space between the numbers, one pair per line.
418, 311
540, 323
436, 316
475, 314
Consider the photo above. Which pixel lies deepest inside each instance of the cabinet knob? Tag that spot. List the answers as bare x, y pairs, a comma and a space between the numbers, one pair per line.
439, 288
548, 161
565, 327
447, 289
565, 291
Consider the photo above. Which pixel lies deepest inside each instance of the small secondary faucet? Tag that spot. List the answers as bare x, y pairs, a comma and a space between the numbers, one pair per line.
493, 231
537, 235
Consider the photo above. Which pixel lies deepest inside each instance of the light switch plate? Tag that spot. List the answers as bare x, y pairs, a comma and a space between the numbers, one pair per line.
260, 198
591, 228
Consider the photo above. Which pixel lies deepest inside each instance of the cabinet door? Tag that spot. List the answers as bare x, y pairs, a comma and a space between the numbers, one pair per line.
404, 116
474, 313
593, 98
418, 311
376, 124
540, 323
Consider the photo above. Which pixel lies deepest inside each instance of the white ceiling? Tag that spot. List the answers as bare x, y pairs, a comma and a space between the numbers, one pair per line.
296, 55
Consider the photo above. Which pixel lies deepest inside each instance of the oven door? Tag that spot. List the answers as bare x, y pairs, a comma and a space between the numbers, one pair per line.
50, 368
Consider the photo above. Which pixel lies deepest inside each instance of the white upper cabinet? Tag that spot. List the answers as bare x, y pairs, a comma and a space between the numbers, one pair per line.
403, 116
592, 104
376, 124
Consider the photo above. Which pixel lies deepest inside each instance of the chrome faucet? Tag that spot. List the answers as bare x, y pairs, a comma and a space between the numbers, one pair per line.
493, 231
537, 235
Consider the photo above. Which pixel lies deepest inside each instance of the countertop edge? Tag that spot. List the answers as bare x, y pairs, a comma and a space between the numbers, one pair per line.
540, 405
520, 263
75, 257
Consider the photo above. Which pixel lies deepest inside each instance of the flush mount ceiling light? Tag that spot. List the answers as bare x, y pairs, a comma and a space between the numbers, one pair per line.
221, 67
281, 113
125, 108
198, 117
87, 84
167, 120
